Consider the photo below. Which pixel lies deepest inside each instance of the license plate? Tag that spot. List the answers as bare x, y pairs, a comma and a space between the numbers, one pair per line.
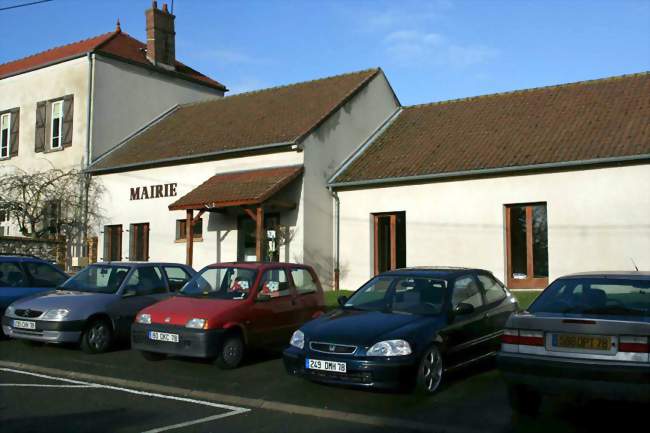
24, 324
586, 342
163, 336
318, 364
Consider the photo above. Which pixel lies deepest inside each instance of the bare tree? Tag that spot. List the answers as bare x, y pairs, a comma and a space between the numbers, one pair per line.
51, 202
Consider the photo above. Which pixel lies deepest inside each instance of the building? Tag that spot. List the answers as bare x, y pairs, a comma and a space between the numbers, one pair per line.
530, 184
240, 178
67, 106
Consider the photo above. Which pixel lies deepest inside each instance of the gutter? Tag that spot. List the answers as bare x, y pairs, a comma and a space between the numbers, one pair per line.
493, 171
337, 238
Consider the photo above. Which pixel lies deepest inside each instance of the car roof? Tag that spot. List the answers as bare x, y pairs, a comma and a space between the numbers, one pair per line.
643, 275
437, 271
21, 258
138, 264
258, 265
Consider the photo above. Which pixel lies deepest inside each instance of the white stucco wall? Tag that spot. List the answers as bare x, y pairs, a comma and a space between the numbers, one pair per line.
597, 220
325, 150
219, 231
126, 97
25, 90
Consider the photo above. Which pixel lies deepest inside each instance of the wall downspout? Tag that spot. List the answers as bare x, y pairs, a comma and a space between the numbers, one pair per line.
86, 161
337, 213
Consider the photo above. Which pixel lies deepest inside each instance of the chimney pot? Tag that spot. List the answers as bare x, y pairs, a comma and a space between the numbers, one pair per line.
154, 4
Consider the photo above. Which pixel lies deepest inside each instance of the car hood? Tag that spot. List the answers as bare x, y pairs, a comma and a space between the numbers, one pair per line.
67, 299
179, 309
363, 328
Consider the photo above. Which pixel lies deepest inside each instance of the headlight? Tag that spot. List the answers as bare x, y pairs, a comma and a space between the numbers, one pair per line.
10, 310
390, 348
298, 339
59, 314
144, 319
196, 323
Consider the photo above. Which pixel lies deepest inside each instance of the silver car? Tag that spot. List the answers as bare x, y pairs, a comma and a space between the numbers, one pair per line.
96, 306
586, 335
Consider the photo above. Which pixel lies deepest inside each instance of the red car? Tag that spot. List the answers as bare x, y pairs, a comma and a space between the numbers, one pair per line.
227, 308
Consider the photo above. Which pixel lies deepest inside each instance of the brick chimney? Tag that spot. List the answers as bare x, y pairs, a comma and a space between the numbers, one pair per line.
161, 37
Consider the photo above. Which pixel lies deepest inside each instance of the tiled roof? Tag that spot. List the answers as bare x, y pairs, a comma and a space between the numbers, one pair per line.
238, 188
573, 122
248, 120
115, 44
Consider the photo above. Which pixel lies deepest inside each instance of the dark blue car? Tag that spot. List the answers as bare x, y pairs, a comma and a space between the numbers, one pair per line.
22, 276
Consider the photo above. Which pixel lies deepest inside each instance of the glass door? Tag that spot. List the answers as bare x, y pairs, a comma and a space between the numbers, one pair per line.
527, 246
389, 241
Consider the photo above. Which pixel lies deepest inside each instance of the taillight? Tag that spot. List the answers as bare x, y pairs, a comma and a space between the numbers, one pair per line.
522, 337
510, 336
633, 344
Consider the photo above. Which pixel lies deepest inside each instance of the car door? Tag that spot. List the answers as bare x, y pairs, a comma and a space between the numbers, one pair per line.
14, 284
467, 332
274, 309
498, 307
144, 286
307, 290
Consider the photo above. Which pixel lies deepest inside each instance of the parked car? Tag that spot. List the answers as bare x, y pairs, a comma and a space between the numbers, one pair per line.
22, 276
228, 308
404, 327
94, 307
586, 335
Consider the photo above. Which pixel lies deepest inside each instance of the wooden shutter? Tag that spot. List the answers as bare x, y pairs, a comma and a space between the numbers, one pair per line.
68, 114
15, 125
39, 140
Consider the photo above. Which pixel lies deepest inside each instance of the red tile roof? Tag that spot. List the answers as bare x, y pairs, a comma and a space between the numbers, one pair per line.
116, 44
279, 115
238, 188
591, 120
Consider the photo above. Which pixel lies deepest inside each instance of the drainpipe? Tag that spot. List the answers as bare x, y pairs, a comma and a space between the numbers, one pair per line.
337, 220
86, 158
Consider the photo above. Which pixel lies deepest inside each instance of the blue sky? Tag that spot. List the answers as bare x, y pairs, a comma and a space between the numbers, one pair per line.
430, 50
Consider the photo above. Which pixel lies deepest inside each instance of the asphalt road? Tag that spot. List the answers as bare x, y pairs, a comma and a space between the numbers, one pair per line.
268, 400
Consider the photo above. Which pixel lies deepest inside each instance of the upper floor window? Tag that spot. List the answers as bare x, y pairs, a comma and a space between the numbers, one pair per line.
5, 135
57, 124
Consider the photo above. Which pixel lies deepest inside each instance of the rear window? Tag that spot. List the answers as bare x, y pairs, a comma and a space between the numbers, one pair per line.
606, 296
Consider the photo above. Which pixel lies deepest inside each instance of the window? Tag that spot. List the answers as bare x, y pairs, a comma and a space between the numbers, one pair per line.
177, 277
247, 239
57, 124
527, 246
11, 275
97, 279
221, 283
181, 229
274, 284
5, 135
303, 281
466, 291
113, 243
493, 290
44, 275
146, 281
139, 242
390, 241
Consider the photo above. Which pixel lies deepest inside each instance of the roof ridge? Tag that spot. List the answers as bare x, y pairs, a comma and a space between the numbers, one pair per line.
528, 90
107, 36
282, 86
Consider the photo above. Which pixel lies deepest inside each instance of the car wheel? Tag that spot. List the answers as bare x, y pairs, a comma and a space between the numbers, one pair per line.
524, 400
231, 352
97, 337
153, 356
430, 371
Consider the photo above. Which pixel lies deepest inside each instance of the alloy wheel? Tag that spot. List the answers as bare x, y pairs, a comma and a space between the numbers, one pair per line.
431, 370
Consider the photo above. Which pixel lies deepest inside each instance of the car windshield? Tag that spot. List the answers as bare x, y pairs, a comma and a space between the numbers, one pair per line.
400, 294
598, 296
221, 283
98, 279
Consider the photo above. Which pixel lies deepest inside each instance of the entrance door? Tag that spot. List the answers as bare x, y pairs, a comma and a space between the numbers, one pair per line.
527, 246
246, 239
390, 241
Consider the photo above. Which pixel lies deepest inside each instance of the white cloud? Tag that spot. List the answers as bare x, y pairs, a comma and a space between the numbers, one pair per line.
246, 84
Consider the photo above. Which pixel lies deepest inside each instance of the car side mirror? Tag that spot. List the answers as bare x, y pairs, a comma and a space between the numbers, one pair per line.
128, 293
342, 300
463, 308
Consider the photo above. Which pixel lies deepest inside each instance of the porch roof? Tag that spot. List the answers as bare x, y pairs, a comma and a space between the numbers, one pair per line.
242, 188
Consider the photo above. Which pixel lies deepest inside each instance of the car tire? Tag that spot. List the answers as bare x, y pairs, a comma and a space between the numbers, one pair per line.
430, 371
231, 352
153, 356
98, 337
524, 400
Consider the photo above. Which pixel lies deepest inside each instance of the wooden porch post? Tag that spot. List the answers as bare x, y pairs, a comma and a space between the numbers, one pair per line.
259, 233
189, 238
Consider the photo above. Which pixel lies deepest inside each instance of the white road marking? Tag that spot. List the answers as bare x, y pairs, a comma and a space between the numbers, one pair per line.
232, 410
37, 385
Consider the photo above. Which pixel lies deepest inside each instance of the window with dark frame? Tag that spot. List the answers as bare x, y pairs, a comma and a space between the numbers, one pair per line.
57, 124
139, 242
113, 243
181, 229
389, 241
527, 246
